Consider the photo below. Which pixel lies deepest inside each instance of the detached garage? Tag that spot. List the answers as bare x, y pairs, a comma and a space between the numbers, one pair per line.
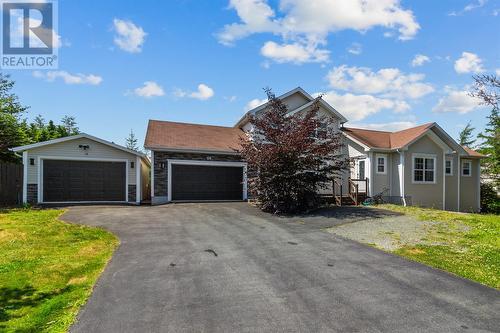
83, 169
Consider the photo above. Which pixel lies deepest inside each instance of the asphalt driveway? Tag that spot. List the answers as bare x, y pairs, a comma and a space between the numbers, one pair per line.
230, 268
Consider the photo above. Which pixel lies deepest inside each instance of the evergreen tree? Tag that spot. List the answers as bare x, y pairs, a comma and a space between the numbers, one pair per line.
69, 125
12, 128
487, 88
465, 137
131, 141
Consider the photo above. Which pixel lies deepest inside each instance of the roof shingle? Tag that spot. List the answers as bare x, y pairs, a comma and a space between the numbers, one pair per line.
387, 140
394, 140
178, 136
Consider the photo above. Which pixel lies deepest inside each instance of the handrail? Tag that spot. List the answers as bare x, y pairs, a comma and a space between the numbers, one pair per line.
338, 199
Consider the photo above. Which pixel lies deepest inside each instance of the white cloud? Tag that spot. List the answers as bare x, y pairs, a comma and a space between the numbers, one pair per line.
388, 127
203, 93
355, 49
469, 63
254, 103
129, 37
389, 82
230, 99
295, 53
307, 23
69, 78
419, 60
149, 89
358, 107
469, 7
497, 71
458, 101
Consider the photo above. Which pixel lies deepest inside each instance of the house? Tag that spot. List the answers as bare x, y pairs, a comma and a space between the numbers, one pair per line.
83, 169
421, 166
201, 162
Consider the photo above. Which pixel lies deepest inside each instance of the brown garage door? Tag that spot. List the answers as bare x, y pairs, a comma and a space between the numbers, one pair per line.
200, 182
83, 181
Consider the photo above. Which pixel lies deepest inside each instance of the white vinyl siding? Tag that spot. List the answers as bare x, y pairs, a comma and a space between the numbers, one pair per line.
71, 149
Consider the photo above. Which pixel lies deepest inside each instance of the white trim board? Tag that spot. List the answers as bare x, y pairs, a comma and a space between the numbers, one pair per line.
138, 178
465, 161
192, 150
424, 156
61, 158
384, 156
80, 136
207, 163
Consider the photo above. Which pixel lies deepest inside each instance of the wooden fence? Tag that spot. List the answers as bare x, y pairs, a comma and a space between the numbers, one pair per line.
11, 184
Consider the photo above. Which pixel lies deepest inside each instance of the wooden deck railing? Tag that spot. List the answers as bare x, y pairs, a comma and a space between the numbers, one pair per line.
354, 191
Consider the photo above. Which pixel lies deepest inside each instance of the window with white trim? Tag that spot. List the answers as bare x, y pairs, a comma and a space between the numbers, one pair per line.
448, 167
466, 168
424, 169
381, 163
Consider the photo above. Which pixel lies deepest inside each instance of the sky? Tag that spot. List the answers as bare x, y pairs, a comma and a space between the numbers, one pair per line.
384, 65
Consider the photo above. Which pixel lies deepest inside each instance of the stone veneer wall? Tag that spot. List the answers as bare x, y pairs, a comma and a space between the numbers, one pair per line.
32, 195
161, 174
131, 193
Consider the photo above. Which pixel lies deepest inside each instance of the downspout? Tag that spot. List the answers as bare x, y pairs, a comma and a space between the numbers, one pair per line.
444, 180
402, 176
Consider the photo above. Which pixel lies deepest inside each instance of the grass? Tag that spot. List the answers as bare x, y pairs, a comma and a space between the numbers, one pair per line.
47, 269
465, 244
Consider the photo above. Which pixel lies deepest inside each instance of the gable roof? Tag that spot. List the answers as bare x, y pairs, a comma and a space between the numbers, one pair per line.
297, 90
387, 140
78, 136
174, 136
397, 140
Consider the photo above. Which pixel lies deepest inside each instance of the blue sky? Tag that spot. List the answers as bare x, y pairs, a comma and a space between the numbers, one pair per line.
124, 62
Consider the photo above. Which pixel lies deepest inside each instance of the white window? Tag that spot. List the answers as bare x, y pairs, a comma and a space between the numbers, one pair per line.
466, 168
424, 169
381, 163
448, 167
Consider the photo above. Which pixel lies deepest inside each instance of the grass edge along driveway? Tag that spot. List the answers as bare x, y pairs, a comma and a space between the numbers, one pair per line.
464, 244
47, 268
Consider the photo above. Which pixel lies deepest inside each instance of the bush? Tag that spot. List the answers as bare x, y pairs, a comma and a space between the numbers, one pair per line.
490, 201
290, 157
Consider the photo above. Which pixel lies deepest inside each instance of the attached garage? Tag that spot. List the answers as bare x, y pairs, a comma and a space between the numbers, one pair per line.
206, 182
84, 169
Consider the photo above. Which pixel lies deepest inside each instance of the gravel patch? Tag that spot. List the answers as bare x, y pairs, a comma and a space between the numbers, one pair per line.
388, 233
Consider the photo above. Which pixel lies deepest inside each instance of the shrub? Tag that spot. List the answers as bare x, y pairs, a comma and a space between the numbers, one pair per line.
291, 156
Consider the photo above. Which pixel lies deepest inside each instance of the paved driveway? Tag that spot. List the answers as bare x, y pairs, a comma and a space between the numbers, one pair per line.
230, 268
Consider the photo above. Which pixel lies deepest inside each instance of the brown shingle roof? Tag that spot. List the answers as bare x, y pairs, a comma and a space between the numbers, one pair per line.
395, 140
178, 136
387, 140
472, 152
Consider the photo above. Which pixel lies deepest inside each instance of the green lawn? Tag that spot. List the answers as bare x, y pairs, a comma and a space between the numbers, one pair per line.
464, 244
47, 269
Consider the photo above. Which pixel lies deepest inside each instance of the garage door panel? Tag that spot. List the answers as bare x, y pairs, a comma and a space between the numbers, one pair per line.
202, 182
83, 181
